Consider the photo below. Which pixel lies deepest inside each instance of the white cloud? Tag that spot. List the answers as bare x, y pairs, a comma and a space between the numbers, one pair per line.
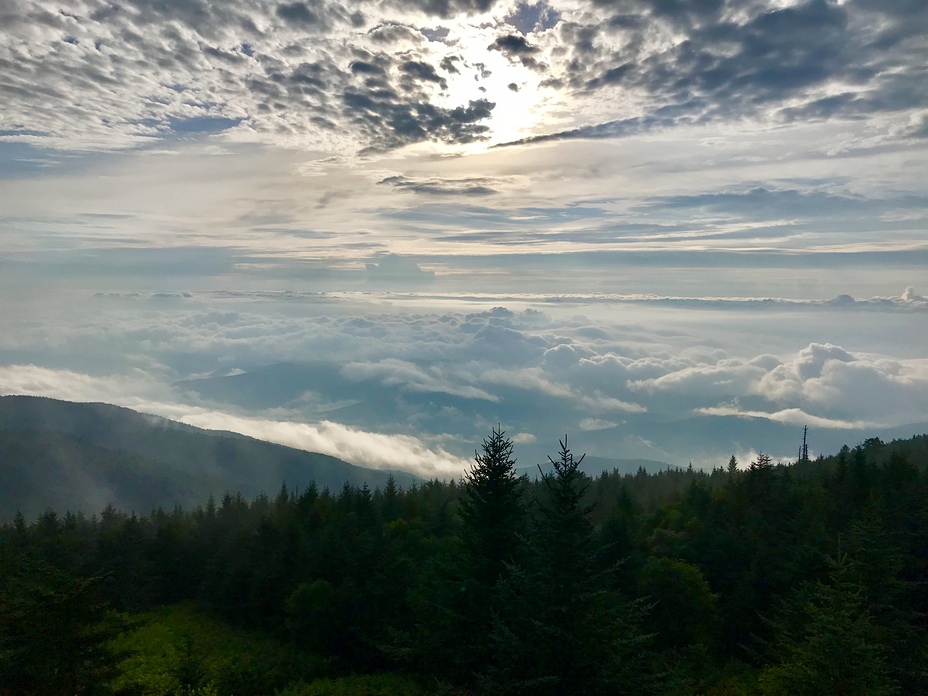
370, 365
354, 445
373, 450
524, 438
793, 416
392, 372
592, 424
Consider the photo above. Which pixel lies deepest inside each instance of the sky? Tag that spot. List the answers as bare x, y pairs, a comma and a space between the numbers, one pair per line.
675, 230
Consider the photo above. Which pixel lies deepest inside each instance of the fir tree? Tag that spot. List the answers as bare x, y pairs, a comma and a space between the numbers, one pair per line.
493, 511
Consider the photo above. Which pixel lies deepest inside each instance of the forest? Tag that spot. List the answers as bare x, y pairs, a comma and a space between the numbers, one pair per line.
802, 577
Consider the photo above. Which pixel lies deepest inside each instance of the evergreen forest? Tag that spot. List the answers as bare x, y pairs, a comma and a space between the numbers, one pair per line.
806, 577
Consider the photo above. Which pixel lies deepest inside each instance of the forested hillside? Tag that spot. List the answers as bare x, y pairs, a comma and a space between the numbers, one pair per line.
754, 578
83, 457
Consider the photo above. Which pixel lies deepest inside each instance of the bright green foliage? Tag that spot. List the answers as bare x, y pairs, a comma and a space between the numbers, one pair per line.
179, 650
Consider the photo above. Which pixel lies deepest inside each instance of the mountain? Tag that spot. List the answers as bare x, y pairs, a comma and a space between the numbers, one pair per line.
83, 456
319, 389
594, 466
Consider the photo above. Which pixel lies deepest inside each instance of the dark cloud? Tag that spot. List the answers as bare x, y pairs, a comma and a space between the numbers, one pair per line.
394, 32
390, 121
610, 129
482, 71
359, 67
127, 71
299, 13
448, 64
512, 44
777, 63
516, 48
759, 202
438, 35
419, 70
442, 187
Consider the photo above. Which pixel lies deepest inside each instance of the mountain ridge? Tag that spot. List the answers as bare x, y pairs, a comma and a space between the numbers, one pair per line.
86, 447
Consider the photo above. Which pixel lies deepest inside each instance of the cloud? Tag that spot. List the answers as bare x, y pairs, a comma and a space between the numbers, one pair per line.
394, 268
448, 8
591, 424
312, 370
133, 390
824, 383
392, 372
686, 63
792, 416
442, 187
279, 71
524, 438
516, 48
372, 450
140, 392
265, 71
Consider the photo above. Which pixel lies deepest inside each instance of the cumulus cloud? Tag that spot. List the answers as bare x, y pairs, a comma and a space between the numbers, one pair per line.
524, 438
312, 370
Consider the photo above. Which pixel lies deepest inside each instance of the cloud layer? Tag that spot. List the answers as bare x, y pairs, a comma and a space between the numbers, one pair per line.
417, 390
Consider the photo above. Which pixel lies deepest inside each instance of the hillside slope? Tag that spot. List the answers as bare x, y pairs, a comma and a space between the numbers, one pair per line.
79, 456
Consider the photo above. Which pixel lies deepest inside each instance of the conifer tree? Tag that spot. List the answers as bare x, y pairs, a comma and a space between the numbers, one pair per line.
562, 631
837, 648
493, 510
55, 633
493, 513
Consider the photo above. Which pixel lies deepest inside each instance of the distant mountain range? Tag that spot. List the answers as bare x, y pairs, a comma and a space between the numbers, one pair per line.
84, 456
317, 390
594, 466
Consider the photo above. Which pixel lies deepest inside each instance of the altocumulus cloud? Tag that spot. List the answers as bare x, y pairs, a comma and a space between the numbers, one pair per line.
378, 76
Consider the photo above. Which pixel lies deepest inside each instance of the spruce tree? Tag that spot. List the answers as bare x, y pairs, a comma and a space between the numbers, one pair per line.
562, 630
493, 514
837, 647
493, 511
